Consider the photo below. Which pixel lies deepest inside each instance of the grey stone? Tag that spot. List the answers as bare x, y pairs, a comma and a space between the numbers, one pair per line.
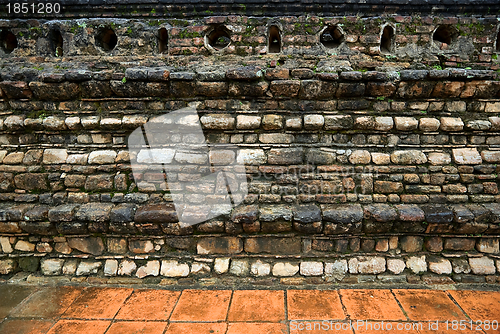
371, 265
172, 268
336, 269
123, 213
110, 267
311, 268
460, 266
259, 268
345, 214
271, 213
440, 265
408, 157
126, 268
417, 264
437, 214
306, 213
7, 266
221, 265
239, 267
380, 212
396, 266
482, 265
63, 213
94, 212
285, 269
88, 268
51, 267
152, 268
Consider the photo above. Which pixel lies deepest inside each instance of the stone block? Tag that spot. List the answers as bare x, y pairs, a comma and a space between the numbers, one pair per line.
466, 156
285, 88
451, 124
89, 245
172, 268
408, 157
244, 122
417, 264
102, 157
86, 268
219, 245
360, 157
221, 265
488, 245
273, 245
218, 122
338, 122
140, 246
313, 122
239, 267
311, 268
51, 267
55, 156
482, 265
259, 268
126, 268
156, 214
411, 244
284, 269
396, 266
248, 73
251, 157
152, 268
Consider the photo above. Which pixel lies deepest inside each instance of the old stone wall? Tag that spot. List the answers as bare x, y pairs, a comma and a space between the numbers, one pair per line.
370, 147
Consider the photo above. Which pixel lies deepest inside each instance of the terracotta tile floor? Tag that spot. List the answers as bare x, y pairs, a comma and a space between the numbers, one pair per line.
93, 310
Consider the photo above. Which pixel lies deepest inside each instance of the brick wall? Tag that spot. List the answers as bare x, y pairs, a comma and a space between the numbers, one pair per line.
370, 148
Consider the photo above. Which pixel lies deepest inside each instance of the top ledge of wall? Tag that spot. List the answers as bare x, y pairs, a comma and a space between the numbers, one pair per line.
189, 8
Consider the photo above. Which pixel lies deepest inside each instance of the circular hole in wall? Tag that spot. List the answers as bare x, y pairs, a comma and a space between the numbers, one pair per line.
387, 40
332, 37
219, 37
106, 39
444, 34
8, 41
56, 42
162, 40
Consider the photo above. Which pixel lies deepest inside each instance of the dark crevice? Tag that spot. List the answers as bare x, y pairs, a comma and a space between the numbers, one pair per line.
387, 40
8, 41
274, 40
106, 39
56, 42
163, 40
498, 42
445, 34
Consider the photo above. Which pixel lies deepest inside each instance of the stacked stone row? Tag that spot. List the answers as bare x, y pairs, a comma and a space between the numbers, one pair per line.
329, 219
255, 81
351, 269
